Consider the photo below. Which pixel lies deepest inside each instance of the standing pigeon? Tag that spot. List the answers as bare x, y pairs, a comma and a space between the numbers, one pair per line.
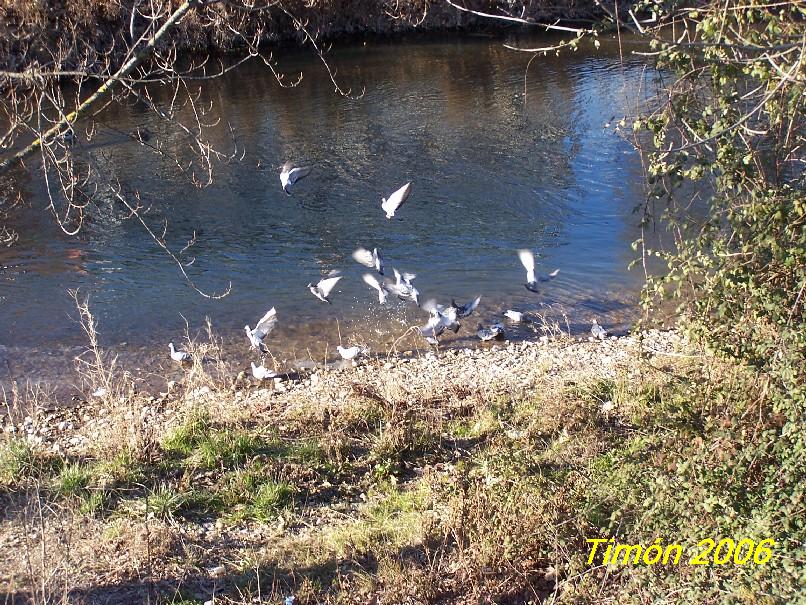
261, 372
467, 309
349, 353
515, 316
598, 331
403, 287
290, 174
494, 331
322, 289
369, 259
262, 329
528, 261
178, 355
372, 282
395, 200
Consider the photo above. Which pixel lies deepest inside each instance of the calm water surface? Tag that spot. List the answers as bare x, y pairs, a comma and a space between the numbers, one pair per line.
496, 164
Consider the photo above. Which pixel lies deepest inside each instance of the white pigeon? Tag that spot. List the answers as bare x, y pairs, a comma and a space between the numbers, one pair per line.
350, 353
516, 316
395, 200
322, 289
467, 309
447, 316
598, 331
261, 372
262, 329
403, 288
178, 355
528, 261
372, 282
290, 174
369, 259
435, 327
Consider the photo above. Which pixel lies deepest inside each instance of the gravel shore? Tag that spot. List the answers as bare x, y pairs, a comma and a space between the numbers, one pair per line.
501, 368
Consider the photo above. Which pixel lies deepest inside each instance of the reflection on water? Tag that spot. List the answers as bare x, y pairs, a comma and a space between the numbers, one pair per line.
496, 165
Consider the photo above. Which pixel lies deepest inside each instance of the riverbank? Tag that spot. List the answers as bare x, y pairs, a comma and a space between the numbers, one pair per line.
223, 27
460, 476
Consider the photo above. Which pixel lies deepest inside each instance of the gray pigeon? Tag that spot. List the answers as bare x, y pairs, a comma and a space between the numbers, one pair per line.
494, 331
403, 288
598, 331
262, 329
467, 309
290, 174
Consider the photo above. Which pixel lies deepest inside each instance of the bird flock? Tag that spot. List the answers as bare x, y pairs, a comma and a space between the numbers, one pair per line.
441, 317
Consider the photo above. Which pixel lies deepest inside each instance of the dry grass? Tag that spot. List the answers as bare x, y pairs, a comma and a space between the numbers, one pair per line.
458, 478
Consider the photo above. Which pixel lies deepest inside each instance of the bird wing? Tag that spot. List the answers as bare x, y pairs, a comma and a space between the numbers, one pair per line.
398, 277
371, 281
551, 275
266, 324
467, 309
364, 257
296, 174
378, 261
433, 327
407, 277
326, 285
396, 199
528, 262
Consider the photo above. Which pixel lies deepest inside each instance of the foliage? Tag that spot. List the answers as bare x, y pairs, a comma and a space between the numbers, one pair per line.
731, 130
725, 166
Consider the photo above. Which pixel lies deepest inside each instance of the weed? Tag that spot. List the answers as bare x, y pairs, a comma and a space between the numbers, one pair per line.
73, 480
17, 462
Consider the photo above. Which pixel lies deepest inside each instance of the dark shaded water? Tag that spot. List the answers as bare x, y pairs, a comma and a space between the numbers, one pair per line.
495, 167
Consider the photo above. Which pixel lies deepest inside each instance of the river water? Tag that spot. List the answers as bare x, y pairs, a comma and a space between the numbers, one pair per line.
499, 160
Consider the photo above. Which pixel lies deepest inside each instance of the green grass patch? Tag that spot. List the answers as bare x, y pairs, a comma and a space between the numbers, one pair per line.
186, 437
17, 462
73, 480
162, 502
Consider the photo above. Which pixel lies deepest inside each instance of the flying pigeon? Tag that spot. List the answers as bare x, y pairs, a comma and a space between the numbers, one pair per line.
262, 329
447, 316
528, 261
369, 259
598, 331
322, 289
435, 327
494, 331
178, 355
372, 282
261, 372
466, 310
403, 287
350, 353
290, 174
395, 200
